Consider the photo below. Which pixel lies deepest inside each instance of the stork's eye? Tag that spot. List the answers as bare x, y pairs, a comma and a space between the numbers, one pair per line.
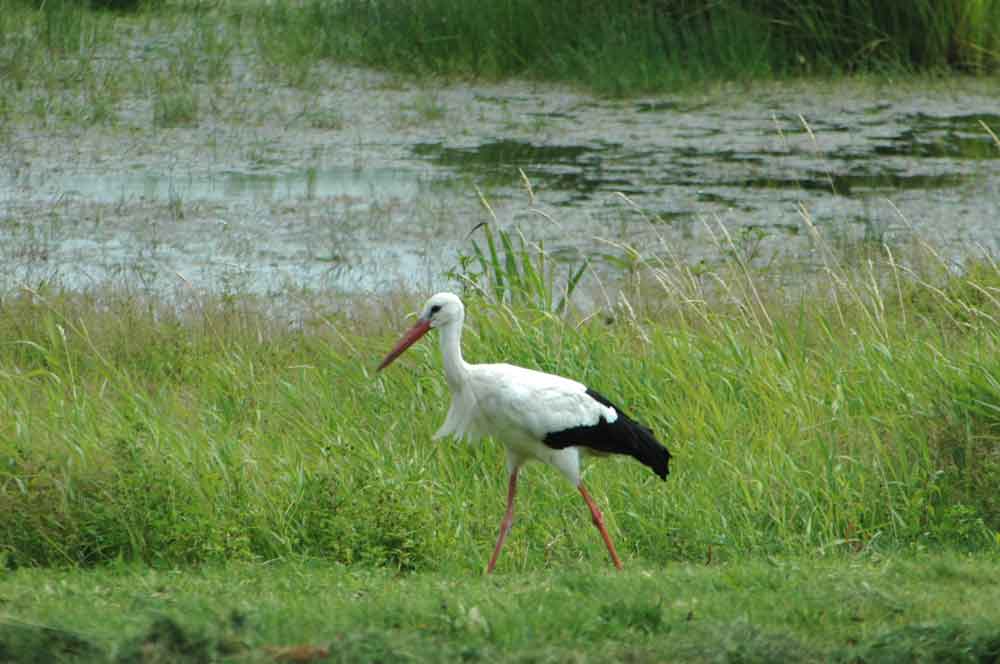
436, 308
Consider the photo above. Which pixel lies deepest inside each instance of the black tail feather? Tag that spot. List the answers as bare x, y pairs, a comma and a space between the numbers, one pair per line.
623, 436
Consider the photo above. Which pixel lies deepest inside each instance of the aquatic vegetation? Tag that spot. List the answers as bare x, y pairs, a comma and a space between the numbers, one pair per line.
625, 47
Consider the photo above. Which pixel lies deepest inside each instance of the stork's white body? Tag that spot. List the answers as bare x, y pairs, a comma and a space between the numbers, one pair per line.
519, 407
537, 416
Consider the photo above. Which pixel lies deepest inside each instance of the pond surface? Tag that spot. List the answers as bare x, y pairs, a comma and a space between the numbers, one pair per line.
223, 187
387, 200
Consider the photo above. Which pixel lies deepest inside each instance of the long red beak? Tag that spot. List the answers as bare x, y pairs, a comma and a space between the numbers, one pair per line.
411, 336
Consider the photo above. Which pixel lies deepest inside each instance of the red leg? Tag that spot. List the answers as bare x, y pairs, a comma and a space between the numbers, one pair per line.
599, 522
508, 521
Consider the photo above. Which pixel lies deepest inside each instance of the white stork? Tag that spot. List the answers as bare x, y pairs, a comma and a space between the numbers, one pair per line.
537, 416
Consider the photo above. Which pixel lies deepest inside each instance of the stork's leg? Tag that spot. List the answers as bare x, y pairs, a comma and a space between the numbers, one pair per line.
508, 520
599, 522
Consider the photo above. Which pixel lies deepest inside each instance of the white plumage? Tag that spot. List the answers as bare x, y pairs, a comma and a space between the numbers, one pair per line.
537, 416
520, 407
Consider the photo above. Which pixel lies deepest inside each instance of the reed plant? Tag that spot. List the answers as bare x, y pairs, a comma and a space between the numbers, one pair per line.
507, 268
625, 47
619, 48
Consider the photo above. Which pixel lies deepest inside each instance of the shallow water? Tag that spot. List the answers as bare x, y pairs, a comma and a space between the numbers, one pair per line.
226, 186
388, 201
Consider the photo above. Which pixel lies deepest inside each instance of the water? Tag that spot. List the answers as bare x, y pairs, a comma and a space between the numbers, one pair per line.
256, 188
167, 234
390, 204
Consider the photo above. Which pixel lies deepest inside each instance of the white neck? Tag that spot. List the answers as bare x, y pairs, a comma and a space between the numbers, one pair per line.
456, 371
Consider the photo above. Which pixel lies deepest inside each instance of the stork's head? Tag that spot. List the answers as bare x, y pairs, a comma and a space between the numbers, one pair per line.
440, 310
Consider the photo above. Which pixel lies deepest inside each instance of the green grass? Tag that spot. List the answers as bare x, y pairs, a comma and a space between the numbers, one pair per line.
175, 108
200, 479
927, 608
625, 47
521, 275
82, 63
63, 62
864, 415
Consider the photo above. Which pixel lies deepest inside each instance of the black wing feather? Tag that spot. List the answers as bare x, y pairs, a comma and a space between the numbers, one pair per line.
623, 436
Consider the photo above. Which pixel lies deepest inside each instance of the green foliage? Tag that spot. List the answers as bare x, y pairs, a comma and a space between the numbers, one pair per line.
167, 641
841, 609
859, 419
368, 522
620, 47
510, 270
936, 642
34, 644
116, 5
66, 26
175, 106
857, 35
625, 46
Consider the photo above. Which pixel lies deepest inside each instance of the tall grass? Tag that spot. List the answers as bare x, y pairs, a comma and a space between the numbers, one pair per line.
860, 415
618, 47
509, 269
626, 46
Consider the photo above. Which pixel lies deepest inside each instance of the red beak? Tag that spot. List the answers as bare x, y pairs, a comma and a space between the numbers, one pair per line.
411, 336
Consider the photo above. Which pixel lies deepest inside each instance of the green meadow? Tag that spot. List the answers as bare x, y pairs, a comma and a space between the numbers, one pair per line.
224, 477
913, 608
838, 440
